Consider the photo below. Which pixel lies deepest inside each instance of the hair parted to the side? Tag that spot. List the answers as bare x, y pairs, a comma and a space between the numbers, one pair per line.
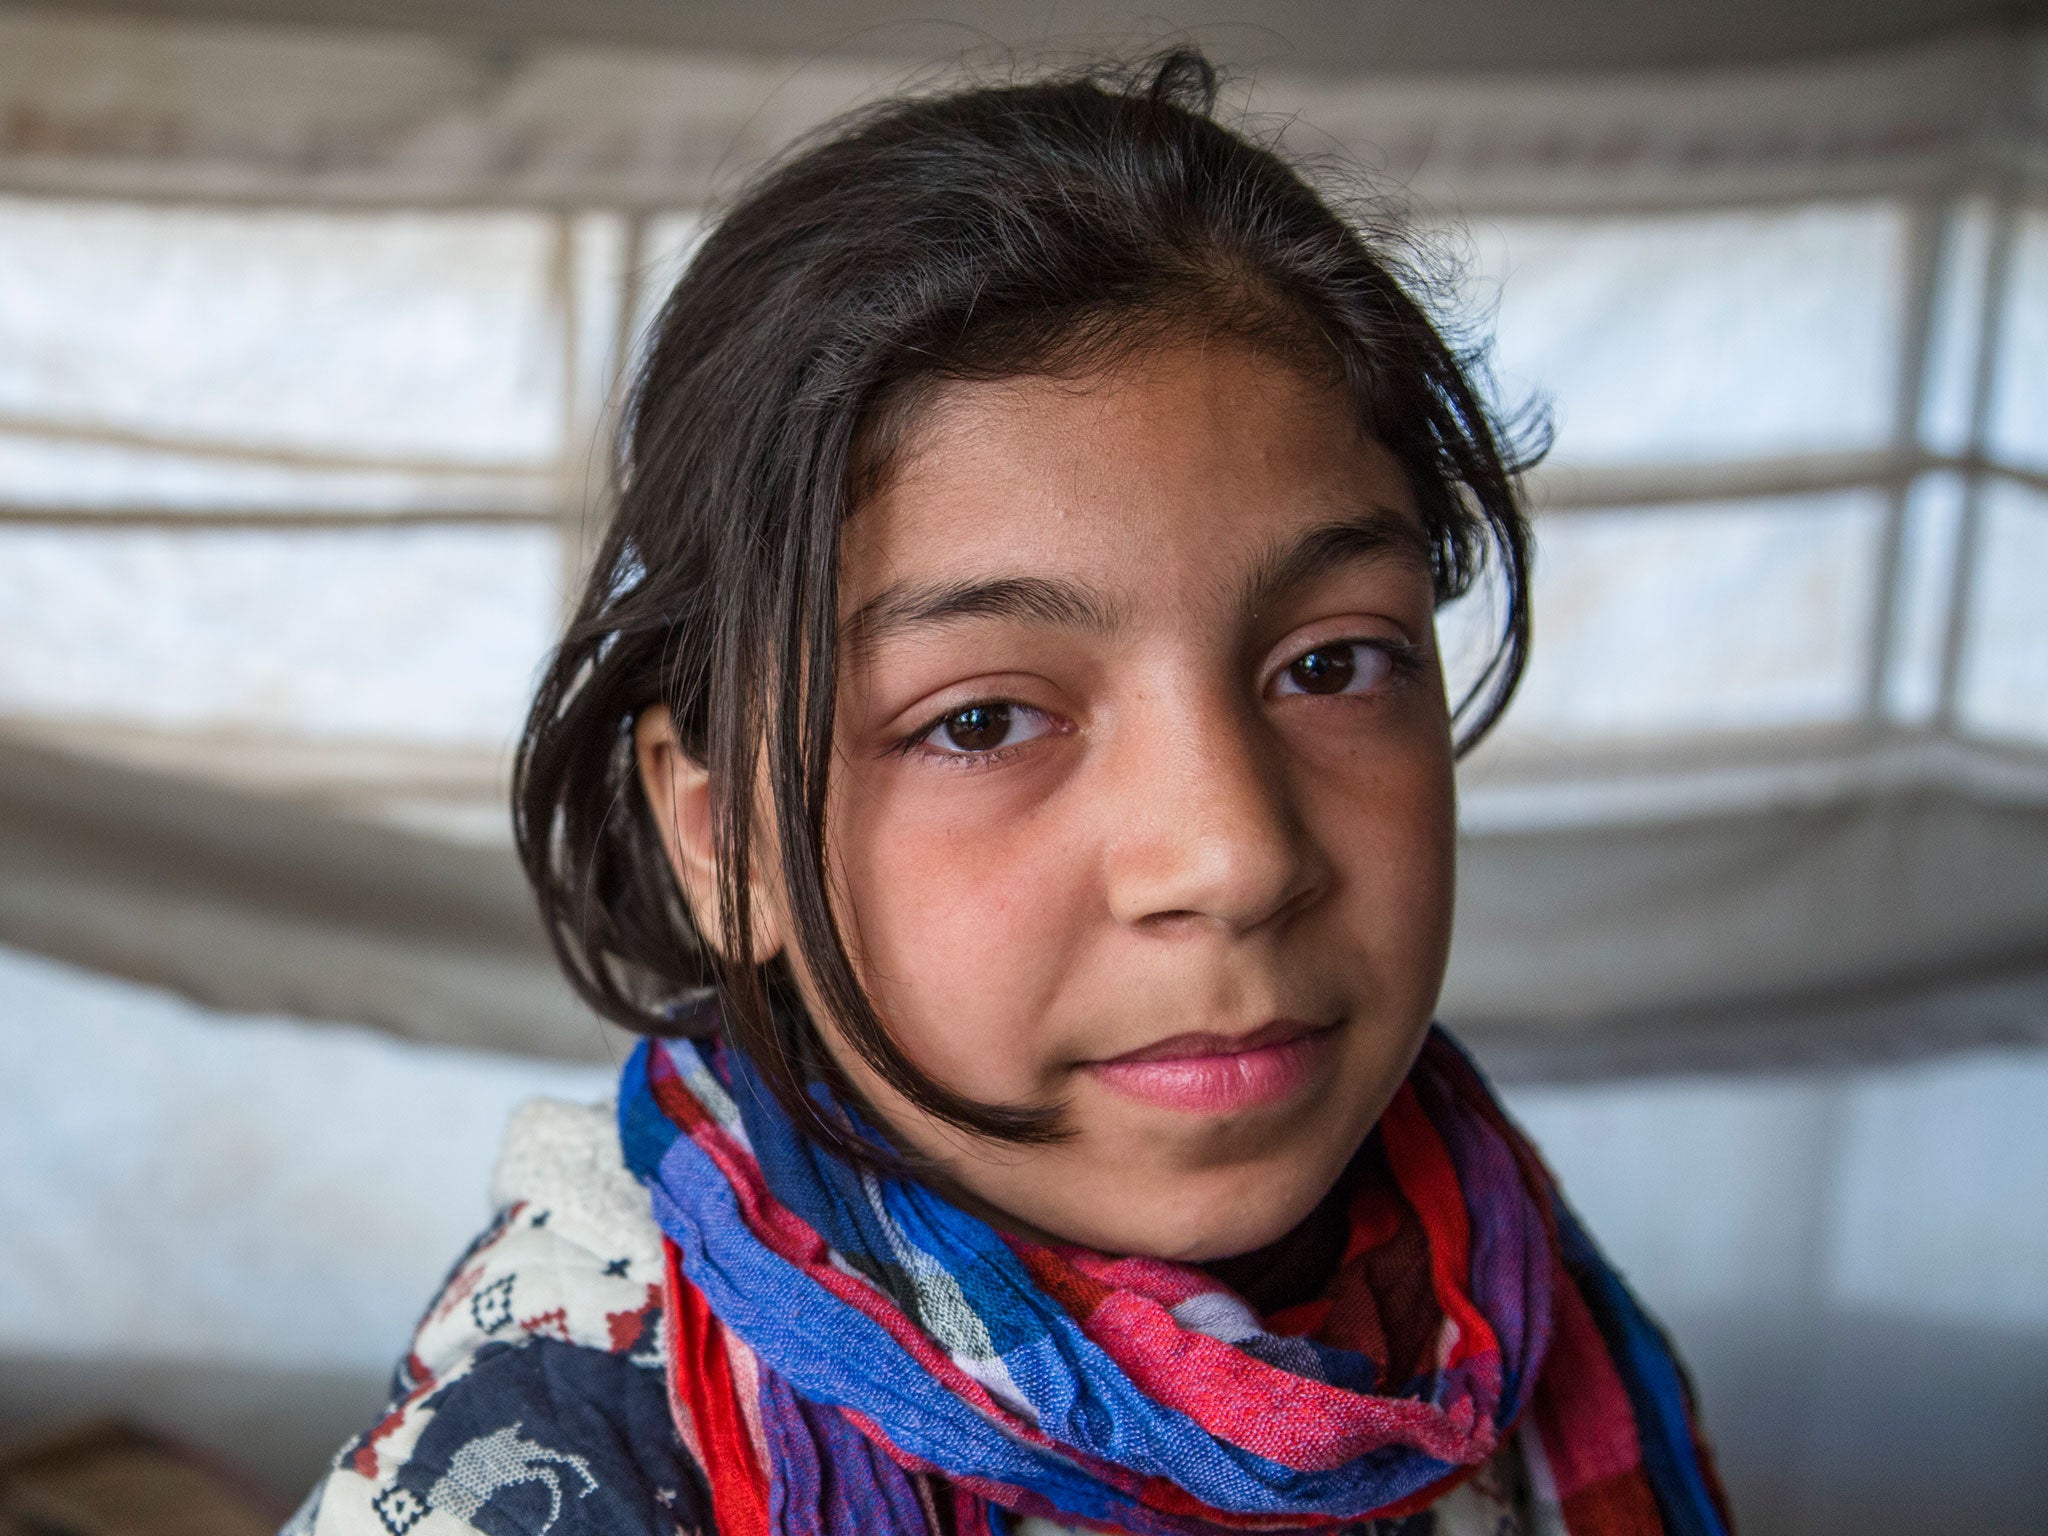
1048, 226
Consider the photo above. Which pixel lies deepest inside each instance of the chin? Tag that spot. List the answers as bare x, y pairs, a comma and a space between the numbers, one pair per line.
1220, 1214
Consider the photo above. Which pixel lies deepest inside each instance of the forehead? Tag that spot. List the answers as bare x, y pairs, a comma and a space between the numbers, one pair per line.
1182, 462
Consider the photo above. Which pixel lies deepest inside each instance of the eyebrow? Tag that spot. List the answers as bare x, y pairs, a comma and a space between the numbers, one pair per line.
1380, 534
910, 605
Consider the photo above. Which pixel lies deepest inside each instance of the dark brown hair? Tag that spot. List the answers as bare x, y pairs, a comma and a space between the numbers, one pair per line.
1050, 225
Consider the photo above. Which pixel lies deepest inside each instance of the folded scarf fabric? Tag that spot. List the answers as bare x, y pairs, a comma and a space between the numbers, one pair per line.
852, 1352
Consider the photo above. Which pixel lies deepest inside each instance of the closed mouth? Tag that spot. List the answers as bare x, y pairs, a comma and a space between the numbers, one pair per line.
1201, 1043
1212, 1074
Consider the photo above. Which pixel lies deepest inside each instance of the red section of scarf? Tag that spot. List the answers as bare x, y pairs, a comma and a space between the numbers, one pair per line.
1582, 1408
1429, 1179
700, 1374
1588, 1428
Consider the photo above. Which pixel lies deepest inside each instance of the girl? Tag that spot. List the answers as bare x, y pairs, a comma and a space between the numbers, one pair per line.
1004, 762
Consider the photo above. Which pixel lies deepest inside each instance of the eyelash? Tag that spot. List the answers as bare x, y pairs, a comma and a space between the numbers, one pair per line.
1404, 661
968, 761
1405, 658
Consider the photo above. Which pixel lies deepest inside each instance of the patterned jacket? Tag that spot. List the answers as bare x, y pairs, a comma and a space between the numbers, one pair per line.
532, 1401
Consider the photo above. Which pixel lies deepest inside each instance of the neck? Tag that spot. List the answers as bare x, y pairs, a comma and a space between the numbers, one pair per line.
1295, 1267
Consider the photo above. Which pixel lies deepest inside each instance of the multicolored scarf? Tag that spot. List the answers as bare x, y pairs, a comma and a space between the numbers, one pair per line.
852, 1353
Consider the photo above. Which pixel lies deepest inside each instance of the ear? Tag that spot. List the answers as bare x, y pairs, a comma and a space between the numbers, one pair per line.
678, 790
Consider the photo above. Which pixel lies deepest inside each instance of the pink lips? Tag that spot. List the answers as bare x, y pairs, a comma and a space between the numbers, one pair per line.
1216, 1074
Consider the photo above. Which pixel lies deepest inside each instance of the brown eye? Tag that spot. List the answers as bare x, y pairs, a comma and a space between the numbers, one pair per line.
977, 728
979, 731
1329, 670
1351, 666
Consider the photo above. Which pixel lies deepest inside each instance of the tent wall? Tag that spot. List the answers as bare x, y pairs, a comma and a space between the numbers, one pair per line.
137, 108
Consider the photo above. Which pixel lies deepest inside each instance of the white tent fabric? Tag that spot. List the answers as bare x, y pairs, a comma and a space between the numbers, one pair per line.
130, 107
262, 906
225, 1226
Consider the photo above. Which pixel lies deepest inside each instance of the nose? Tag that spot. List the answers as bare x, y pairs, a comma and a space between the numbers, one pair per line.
1203, 823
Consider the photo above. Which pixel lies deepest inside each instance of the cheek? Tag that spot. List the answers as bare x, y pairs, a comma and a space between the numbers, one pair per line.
1389, 826
966, 927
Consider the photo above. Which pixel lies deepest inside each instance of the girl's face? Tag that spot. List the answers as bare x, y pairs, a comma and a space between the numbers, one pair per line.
1142, 802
